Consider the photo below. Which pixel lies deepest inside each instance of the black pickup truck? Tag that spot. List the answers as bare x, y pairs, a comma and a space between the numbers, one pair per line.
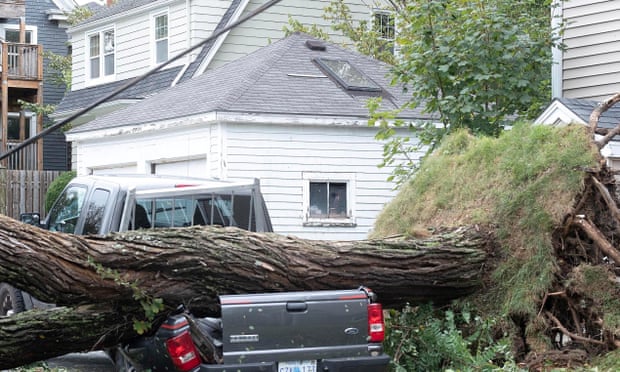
310, 331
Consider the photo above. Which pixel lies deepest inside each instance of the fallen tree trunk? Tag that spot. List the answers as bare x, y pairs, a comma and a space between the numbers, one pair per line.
192, 266
38, 335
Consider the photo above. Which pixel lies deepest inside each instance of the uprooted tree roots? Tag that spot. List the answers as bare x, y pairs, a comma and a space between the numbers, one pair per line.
575, 312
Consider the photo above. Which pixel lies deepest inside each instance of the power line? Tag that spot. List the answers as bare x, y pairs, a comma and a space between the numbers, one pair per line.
136, 80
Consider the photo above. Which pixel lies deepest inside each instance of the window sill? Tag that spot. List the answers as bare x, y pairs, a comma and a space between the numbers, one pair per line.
329, 223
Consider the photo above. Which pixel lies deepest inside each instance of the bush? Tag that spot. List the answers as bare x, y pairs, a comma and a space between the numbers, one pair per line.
425, 339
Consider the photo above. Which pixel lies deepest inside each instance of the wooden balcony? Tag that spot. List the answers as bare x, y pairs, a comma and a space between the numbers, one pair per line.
21, 68
22, 62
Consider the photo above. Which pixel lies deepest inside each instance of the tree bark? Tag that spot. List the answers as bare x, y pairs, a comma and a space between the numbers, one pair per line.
94, 277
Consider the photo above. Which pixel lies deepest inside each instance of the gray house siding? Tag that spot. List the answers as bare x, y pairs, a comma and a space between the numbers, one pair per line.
591, 61
53, 39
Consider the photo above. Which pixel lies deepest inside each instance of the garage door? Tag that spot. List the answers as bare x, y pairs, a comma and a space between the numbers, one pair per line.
188, 168
129, 169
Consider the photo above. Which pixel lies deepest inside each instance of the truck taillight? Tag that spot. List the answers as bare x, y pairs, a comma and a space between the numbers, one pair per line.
183, 352
376, 326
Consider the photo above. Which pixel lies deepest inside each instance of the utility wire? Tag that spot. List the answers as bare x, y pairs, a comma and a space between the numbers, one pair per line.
136, 80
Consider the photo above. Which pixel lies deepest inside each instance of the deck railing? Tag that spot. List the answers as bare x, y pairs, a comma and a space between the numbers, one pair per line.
22, 61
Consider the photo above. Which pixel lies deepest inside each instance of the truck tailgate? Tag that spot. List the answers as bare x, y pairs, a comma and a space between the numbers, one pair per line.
294, 326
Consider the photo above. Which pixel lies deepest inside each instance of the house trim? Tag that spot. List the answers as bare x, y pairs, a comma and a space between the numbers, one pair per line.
219, 117
86, 26
220, 40
557, 114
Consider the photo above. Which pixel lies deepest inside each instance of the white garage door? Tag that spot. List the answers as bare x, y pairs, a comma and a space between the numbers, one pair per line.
189, 168
129, 169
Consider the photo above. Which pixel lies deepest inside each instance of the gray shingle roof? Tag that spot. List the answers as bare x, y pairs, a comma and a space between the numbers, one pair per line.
583, 108
281, 78
78, 99
119, 7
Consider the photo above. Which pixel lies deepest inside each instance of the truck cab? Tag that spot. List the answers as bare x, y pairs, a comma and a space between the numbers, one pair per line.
97, 205
103, 204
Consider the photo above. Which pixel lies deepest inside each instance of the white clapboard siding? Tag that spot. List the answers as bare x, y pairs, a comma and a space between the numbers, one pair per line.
204, 18
280, 155
267, 27
590, 63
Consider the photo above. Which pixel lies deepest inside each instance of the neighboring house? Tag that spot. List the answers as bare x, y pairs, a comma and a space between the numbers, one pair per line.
40, 27
563, 111
134, 36
292, 114
586, 72
588, 68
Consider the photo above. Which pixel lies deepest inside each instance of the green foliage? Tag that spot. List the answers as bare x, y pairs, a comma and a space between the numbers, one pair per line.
359, 34
296, 26
425, 339
522, 183
79, 14
36, 108
56, 187
59, 68
152, 306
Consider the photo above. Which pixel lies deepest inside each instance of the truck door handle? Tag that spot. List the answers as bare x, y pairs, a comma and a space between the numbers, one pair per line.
296, 307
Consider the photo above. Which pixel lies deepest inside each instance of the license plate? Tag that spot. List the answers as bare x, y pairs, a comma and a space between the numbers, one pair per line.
297, 366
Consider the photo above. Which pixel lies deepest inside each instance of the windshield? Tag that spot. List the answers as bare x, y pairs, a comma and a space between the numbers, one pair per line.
65, 212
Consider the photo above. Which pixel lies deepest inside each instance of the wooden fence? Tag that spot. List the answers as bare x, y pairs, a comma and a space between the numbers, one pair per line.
23, 191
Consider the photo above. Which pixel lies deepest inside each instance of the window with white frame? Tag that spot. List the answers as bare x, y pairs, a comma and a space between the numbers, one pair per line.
328, 199
384, 25
101, 54
160, 42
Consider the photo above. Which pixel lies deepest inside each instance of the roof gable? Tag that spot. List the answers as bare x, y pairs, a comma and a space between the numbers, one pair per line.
569, 110
282, 78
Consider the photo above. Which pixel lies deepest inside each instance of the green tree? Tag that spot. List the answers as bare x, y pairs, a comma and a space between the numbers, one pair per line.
476, 64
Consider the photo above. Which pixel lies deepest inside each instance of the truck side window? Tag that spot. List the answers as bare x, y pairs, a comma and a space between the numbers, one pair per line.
95, 211
65, 213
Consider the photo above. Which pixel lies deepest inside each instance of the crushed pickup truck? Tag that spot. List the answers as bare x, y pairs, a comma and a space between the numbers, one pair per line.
310, 331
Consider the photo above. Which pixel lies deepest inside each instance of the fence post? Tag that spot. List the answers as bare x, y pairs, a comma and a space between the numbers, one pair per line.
3, 190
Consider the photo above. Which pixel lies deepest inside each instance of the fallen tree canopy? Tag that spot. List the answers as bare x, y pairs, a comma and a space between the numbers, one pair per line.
94, 278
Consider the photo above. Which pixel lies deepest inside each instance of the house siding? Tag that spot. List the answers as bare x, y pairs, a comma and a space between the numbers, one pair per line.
267, 27
278, 155
133, 43
590, 63
54, 39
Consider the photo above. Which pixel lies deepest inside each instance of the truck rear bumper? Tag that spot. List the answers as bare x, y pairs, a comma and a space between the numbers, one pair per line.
357, 364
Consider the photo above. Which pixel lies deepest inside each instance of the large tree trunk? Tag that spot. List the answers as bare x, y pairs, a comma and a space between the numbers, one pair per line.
191, 266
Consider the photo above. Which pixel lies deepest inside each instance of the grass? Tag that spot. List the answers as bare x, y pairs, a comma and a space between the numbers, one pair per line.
520, 185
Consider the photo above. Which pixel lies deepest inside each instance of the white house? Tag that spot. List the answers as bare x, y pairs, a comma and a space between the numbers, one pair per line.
586, 72
292, 114
132, 37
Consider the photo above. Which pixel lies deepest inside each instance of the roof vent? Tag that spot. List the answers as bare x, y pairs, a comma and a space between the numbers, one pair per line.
315, 45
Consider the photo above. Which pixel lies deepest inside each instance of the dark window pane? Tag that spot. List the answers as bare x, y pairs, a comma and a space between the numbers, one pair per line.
95, 211
337, 200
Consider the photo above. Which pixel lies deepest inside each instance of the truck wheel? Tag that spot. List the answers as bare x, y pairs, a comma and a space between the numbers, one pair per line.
11, 300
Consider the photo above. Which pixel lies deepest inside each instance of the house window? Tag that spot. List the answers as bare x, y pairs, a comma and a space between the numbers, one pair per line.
384, 25
328, 200
347, 75
101, 54
12, 36
160, 24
